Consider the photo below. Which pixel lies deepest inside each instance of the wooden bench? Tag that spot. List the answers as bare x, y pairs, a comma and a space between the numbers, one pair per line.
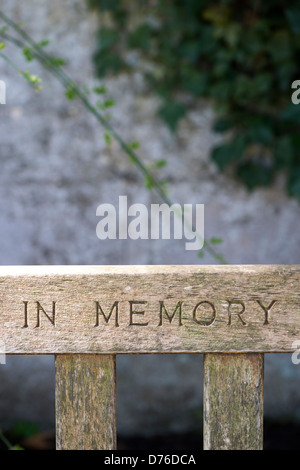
85, 315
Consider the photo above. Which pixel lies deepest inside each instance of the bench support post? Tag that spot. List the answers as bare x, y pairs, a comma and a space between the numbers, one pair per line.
233, 401
85, 399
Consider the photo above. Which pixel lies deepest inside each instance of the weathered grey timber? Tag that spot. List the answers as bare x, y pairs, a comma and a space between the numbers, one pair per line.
149, 309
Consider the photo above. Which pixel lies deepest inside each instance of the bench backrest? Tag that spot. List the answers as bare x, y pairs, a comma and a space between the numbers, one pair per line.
85, 315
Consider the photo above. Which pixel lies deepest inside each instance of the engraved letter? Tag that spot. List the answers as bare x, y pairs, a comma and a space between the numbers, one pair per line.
39, 309
99, 311
25, 314
169, 317
235, 302
132, 312
266, 310
205, 322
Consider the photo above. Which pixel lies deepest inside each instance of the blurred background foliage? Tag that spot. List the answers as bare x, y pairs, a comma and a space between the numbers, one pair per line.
241, 56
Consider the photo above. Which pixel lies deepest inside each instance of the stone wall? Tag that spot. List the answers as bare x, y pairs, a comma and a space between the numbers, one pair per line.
56, 170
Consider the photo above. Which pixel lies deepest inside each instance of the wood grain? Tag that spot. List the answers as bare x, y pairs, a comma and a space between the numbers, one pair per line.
233, 401
149, 309
85, 402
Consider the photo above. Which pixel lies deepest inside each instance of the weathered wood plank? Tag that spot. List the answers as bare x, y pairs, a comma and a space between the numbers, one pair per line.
85, 400
129, 309
233, 401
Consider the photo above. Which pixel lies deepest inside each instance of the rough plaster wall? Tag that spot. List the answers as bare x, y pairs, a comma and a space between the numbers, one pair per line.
55, 170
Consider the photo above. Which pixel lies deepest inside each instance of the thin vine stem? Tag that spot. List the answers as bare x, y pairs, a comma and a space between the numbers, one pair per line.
56, 70
5, 440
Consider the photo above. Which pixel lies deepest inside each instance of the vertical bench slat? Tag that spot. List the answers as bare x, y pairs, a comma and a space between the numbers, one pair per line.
233, 401
85, 396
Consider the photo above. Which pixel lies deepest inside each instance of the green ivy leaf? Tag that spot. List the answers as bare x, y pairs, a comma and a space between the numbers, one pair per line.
107, 38
70, 93
243, 63
260, 133
215, 240
293, 184
100, 90
141, 37
149, 183
57, 61
291, 114
283, 152
44, 43
254, 174
108, 103
108, 139
229, 152
107, 63
22, 429
160, 163
223, 125
134, 145
172, 112
293, 16
28, 54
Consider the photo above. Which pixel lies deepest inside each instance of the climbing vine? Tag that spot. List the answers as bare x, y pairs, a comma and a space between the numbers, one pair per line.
241, 56
33, 50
